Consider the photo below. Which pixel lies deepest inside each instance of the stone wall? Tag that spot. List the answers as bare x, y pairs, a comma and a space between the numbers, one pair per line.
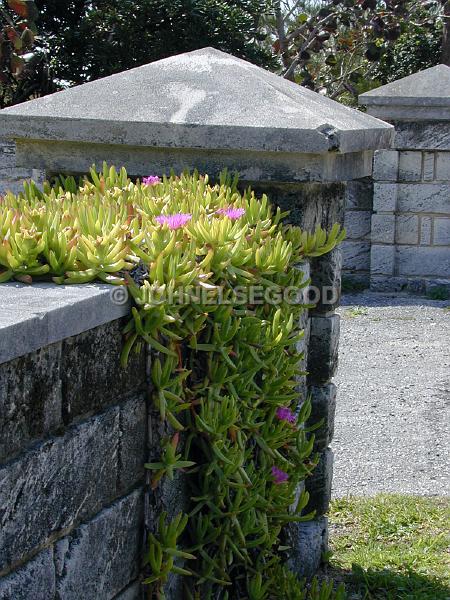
411, 223
356, 246
11, 176
73, 445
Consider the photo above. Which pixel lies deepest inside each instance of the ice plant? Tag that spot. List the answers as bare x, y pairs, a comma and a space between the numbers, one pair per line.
232, 213
151, 180
279, 475
174, 221
285, 414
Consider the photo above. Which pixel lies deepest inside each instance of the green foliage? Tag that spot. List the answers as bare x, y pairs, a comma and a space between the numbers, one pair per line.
393, 547
19, 60
439, 292
338, 46
91, 40
208, 269
413, 52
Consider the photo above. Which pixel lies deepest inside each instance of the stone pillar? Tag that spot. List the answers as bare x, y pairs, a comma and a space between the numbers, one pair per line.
208, 110
411, 220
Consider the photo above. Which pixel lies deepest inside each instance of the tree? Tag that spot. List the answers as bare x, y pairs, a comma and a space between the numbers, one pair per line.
88, 40
20, 62
334, 46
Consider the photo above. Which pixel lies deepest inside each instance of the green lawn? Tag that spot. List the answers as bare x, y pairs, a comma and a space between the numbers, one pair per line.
391, 547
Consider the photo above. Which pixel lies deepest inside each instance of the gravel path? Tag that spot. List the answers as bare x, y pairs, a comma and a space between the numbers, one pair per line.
393, 414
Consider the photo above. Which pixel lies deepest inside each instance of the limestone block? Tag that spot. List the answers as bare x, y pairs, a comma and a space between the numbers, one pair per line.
428, 166
383, 229
385, 165
323, 348
30, 399
102, 555
443, 166
441, 234
410, 166
407, 229
91, 371
382, 259
34, 581
428, 261
132, 442
57, 484
308, 542
385, 196
422, 135
323, 407
425, 230
359, 194
326, 280
424, 197
356, 255
132, 592
357, 224
319, 484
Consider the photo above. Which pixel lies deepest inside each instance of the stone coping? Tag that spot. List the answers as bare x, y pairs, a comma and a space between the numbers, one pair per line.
204, 99
34, 316
424, 95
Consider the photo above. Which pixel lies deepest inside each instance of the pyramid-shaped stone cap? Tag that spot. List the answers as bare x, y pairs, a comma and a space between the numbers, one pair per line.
424, 94
204, 99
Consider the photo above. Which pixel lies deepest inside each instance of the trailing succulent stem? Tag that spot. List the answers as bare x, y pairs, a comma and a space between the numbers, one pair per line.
215, 278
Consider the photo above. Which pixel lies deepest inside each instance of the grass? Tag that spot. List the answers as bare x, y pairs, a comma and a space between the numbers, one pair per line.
391, 547
439, 292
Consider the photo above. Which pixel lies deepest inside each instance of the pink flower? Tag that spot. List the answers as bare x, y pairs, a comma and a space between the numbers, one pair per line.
285, 414
279, 475
231, 212
151, 180
174, 221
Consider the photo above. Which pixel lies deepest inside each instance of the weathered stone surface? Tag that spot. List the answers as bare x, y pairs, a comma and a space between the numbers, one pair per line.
424, 197
421, 96
91, 371
426, 224
385, 196
359, 194
430, 87
309, 542
132, 442
414, 284
357, 224
422, 260
30, 399
441, 233
382, 259
356, 255
326, 280
443, 166
32, 317
98, 558
132, 592
7, 154
202, 99
429, 166
34, 581
319, 484
407, 229
385, 165
323, 348
309, 204
323, 407
383, 229
58, 484
422, 135
410, 166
